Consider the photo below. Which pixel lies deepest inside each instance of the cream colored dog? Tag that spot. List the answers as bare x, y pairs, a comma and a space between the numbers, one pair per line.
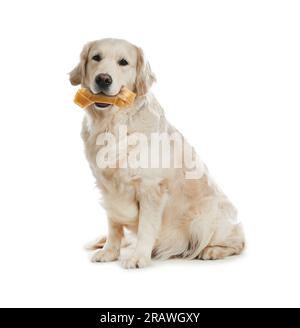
174, 210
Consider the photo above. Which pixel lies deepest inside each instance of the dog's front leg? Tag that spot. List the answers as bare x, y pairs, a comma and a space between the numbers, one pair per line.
111, 249
152, 201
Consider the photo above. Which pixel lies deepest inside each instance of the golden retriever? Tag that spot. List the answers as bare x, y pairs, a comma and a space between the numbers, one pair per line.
174, 209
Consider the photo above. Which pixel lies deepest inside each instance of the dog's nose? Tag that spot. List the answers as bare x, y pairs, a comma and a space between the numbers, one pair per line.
103, 81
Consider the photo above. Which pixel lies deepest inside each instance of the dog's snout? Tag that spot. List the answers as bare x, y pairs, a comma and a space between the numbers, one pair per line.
103, 80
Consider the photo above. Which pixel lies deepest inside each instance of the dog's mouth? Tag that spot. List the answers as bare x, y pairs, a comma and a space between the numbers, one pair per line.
101, 105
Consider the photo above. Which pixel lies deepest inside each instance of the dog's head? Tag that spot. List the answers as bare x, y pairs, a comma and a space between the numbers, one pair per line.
107, 65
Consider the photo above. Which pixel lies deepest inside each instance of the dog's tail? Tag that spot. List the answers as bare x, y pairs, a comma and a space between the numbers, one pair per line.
98, 244
128, 240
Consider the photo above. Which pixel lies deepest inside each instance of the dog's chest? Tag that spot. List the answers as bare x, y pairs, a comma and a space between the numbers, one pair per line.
118, 191
101, 139
119, 200
119, 196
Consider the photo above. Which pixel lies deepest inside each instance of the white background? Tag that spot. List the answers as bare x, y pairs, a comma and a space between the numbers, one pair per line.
228, 77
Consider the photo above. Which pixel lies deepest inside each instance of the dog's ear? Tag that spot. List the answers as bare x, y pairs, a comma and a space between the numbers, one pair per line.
77, 74
144, 76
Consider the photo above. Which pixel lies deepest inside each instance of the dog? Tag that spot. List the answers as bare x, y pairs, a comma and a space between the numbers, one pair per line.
174, 211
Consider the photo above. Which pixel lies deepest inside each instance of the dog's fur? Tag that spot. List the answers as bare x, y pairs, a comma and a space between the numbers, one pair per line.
171, 216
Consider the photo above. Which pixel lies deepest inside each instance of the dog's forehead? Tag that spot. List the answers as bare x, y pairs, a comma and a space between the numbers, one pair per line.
114, 48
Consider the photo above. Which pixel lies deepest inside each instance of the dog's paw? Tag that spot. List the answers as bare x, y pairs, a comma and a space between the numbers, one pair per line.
136, 262
105, 255
217, 252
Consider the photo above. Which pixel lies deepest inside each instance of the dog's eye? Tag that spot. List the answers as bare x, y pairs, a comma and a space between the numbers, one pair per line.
123, 62
97, 58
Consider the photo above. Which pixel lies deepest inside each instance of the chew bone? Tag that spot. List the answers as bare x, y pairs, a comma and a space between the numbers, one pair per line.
85, 98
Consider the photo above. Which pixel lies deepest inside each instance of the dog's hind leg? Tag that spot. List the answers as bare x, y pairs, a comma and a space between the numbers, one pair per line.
219, 249
215, 232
